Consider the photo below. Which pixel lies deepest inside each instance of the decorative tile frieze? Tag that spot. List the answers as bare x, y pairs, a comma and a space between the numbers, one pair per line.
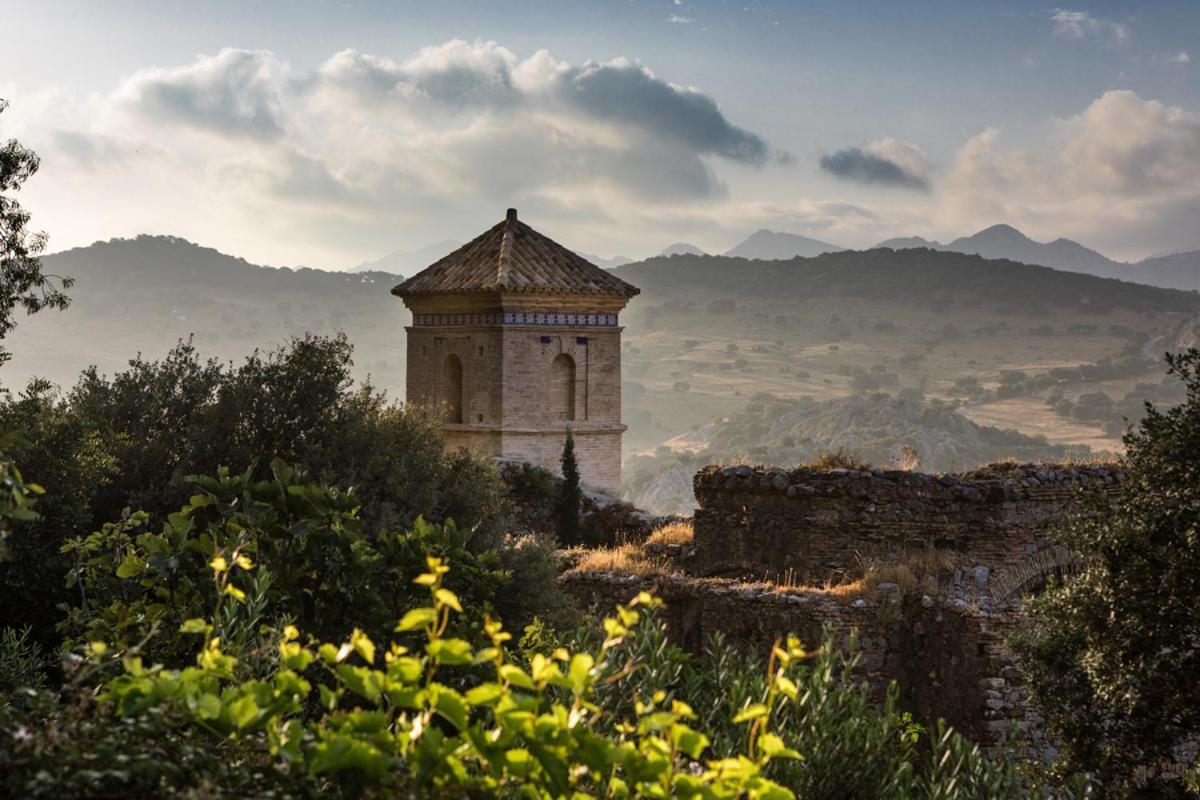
565, 319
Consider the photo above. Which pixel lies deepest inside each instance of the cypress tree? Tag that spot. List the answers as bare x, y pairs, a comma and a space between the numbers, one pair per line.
570, 497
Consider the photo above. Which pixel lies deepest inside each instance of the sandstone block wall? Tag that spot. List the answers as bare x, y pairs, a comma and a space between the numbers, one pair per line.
506, 401
810, 526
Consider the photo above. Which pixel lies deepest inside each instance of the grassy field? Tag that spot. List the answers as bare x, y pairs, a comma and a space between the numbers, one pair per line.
686, 366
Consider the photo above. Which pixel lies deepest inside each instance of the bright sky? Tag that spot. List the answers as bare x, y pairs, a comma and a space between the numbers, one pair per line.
327, 134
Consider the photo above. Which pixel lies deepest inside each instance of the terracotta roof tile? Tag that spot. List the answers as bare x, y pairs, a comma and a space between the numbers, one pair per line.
513, 257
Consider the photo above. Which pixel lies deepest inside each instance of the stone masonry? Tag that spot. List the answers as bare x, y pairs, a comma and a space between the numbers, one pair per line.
516, 340
772, 547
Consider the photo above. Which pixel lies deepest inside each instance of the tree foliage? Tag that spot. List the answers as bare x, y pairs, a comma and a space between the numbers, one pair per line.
22, 283
291, 549
570, 496
130, 441
1113, 654
431, 714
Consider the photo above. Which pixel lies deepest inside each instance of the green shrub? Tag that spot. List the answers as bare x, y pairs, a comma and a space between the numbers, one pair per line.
433, 715
293, 549
131, 440
23, 662
1111, 653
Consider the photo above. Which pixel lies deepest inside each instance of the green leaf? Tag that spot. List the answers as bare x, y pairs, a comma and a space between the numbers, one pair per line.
243, 711
451, 705
751, 712
518, 762
516, 676
195, 625
363, 681
689, 742
449, 651
579, 673
484, 694
363, 646
416, 618
772, 746
448, 598
208, 706
131, 566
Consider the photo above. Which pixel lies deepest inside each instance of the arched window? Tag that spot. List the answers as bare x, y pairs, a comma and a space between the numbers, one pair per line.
562, 387
452, 385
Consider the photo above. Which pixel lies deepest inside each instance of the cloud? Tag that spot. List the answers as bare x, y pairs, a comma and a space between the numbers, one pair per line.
236, 92
1083, 25
676, 19
347, 154
887, 163
1180, 58
1117, 168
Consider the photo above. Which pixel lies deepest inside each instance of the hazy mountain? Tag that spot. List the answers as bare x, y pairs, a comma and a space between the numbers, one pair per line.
773, 246
901, 276
408, 262
682, 249
1005, 241
607, 263
1172, 271
1176, 271
911, 243
144, 294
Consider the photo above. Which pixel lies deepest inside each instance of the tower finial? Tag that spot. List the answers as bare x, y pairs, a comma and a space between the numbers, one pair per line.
511, 216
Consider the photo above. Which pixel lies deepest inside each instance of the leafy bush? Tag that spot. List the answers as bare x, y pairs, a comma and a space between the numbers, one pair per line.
291, 549
432, 715
131, 440
23, 662
1112, 653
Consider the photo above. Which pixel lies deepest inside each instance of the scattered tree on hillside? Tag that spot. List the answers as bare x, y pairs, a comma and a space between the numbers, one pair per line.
1113, 655
570, 498
22, 282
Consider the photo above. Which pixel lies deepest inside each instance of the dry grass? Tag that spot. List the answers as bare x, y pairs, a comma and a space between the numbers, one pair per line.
838, 459
913, 571
672, 533
626, 559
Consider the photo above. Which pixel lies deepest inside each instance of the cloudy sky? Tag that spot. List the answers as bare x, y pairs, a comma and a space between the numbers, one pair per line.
329, 133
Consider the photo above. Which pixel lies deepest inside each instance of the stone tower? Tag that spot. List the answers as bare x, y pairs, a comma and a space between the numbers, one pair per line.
516, 339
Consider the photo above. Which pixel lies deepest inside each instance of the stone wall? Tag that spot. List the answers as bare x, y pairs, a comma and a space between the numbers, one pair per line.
507, 395
809, 526
946, 656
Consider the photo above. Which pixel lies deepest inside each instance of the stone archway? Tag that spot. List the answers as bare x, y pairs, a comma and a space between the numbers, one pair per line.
1032, 574
562, 387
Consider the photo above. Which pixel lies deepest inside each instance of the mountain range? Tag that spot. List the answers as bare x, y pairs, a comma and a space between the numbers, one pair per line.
768, 245
1174, 271
408, 262
1178, 270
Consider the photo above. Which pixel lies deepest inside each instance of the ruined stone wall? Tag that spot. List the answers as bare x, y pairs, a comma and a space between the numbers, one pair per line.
808, 526
946, 656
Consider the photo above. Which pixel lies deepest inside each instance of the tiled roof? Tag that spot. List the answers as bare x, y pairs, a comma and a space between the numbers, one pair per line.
513, 257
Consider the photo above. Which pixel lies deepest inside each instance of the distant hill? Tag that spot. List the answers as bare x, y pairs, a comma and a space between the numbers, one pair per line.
409, 262
607, 263
911, 243
772, 246
1178, 270
682, 249
143, 294
1174, 271
917, 277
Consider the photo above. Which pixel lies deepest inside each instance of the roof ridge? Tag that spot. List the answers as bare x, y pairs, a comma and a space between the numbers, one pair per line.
513, 257
504, 257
